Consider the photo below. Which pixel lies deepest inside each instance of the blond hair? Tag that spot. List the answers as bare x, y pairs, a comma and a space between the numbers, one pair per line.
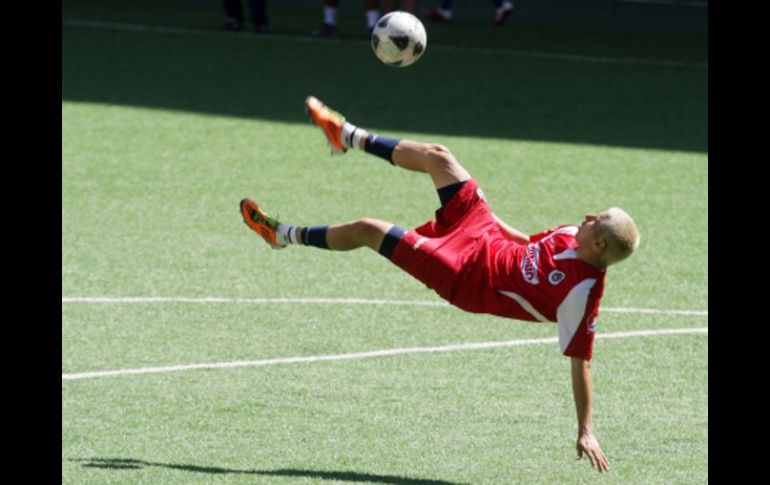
620, 233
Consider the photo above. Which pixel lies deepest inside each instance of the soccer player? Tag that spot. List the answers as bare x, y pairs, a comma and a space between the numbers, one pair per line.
473, 259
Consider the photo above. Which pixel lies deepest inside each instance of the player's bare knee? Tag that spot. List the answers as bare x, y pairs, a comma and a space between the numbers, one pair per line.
441, 156
439, 151
370, 230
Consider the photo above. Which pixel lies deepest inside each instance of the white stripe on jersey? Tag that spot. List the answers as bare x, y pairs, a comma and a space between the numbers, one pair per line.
524, 304
571, 230
571, 311
567, 254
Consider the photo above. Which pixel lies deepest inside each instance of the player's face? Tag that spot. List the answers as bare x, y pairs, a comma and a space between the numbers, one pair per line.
589, 229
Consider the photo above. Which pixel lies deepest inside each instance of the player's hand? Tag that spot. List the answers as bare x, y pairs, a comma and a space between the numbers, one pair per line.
588, 444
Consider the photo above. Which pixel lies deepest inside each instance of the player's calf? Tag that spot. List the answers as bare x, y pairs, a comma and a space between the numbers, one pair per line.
378, 235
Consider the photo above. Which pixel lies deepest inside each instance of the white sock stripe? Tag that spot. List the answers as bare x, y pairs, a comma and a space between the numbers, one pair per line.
282, 233
357, 136
345, 134
351, 135
350, 140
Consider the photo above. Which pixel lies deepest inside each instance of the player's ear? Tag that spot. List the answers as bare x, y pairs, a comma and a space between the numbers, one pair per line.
600, 244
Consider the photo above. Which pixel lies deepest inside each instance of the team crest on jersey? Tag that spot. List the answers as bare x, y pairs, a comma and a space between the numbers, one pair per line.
530, 264
556, 277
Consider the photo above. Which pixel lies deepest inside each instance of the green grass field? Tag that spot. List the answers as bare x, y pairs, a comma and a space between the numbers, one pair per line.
164, 131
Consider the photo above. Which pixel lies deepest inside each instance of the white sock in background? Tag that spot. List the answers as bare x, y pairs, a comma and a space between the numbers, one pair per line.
372, 16
330, 15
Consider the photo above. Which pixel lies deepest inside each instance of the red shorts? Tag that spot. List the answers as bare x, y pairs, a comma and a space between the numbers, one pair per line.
437, 252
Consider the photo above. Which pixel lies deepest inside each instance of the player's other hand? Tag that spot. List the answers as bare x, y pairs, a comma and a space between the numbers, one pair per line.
588, 444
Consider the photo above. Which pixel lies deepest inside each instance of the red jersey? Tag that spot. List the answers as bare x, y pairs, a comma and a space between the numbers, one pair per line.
464, 256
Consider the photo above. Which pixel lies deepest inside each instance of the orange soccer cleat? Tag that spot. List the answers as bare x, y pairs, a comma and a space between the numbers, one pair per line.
329, 121
261, 223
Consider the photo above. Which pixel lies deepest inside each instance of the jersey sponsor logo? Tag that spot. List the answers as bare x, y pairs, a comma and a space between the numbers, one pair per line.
556, 277
419, 242
530, 264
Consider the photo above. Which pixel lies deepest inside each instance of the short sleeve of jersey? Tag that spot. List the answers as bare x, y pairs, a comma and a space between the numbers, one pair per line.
576, 317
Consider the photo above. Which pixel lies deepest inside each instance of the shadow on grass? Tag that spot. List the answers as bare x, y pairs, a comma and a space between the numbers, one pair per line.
345, 476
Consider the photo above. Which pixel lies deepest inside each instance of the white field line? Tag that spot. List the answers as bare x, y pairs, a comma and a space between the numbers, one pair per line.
375, 353
451, 49
324, 301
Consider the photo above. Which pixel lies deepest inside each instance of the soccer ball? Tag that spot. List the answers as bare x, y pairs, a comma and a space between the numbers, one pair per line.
399, 39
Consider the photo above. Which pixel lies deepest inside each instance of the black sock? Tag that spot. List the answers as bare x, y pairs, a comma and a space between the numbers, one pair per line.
314, 236
392, 238
381, 146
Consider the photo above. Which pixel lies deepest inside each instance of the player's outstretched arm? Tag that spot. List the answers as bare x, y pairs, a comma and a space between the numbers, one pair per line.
582, 388
511, 232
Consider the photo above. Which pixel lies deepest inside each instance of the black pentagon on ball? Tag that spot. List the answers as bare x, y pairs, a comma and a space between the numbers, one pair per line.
418, 48
401, 41
384, 21
375, 42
